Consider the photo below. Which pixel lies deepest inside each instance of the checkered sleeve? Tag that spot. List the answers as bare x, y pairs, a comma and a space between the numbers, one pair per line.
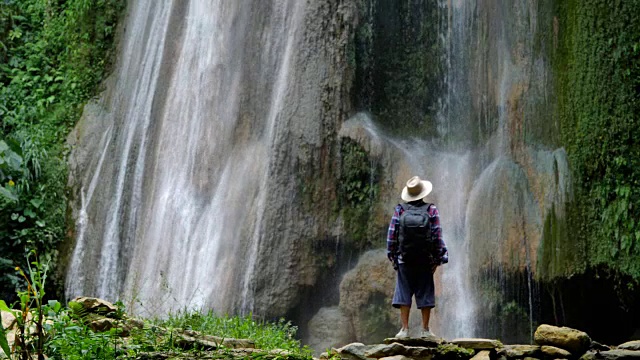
392, 234
441, 253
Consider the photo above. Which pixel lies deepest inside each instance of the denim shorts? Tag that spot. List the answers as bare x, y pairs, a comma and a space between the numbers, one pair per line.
414, 280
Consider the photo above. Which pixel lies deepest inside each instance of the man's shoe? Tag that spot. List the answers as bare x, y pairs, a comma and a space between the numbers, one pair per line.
426, 334
404, 333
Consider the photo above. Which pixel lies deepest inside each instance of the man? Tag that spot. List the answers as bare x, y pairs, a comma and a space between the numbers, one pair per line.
416, 248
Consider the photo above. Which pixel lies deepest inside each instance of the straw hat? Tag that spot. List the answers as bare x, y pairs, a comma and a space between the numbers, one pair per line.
416, 189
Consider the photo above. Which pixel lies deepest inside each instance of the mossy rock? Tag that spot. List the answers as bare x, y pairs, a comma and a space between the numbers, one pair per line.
453, 352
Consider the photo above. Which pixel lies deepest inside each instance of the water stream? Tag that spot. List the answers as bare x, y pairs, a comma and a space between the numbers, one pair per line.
198, 92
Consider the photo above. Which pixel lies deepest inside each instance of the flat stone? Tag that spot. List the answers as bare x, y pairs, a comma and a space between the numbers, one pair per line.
519, 351
482, 355
386, 350
576, 341
477, 344
616, 354
629, 345
422, 342
95, 305
555, 352
353, 351
395, 349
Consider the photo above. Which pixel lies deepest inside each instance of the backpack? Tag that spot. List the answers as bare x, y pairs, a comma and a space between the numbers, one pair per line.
416, 242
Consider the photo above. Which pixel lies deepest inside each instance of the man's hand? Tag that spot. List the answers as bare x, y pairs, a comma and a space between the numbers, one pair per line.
393, 260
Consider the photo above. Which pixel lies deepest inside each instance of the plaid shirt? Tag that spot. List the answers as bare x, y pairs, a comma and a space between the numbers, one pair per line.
441, 256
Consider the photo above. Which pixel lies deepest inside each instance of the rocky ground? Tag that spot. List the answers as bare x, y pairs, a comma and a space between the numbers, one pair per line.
551, 343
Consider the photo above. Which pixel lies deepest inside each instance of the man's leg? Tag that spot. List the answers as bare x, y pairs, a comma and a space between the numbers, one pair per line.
426, 314
404, 316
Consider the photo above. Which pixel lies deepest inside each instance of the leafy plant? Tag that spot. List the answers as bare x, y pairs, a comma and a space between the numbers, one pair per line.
53, 55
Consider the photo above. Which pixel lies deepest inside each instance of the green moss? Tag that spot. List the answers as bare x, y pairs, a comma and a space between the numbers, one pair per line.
449, 351
559, 254
597, 69
358, 191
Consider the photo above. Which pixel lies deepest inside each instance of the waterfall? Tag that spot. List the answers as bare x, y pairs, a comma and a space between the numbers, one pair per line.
172, 213
207, 176
496, 173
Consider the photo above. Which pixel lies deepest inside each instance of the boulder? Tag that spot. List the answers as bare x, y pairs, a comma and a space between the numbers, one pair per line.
519, 351
477, 344
629, 345
482, 355
366, 292
397, 357
576, 341
95, 305
353, 351
555, 352
329, 328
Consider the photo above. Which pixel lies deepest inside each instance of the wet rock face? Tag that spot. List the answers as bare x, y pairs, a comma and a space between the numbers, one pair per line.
240, 122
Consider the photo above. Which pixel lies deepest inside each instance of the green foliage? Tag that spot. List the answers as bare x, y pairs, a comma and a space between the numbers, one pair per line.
598, 81
10, 170
53, 55
73, 340
358, 193
65, 333
267, 335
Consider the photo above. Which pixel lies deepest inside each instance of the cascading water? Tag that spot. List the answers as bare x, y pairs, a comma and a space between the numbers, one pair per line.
171, 212
493, 163
208, 172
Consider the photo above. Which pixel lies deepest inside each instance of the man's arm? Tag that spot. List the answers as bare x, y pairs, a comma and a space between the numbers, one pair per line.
441, 255
392, 235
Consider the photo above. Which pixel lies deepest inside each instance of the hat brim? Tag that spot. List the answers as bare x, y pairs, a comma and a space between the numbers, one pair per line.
426, 189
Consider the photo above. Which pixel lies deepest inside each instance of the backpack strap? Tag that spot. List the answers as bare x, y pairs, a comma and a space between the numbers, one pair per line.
407, 206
